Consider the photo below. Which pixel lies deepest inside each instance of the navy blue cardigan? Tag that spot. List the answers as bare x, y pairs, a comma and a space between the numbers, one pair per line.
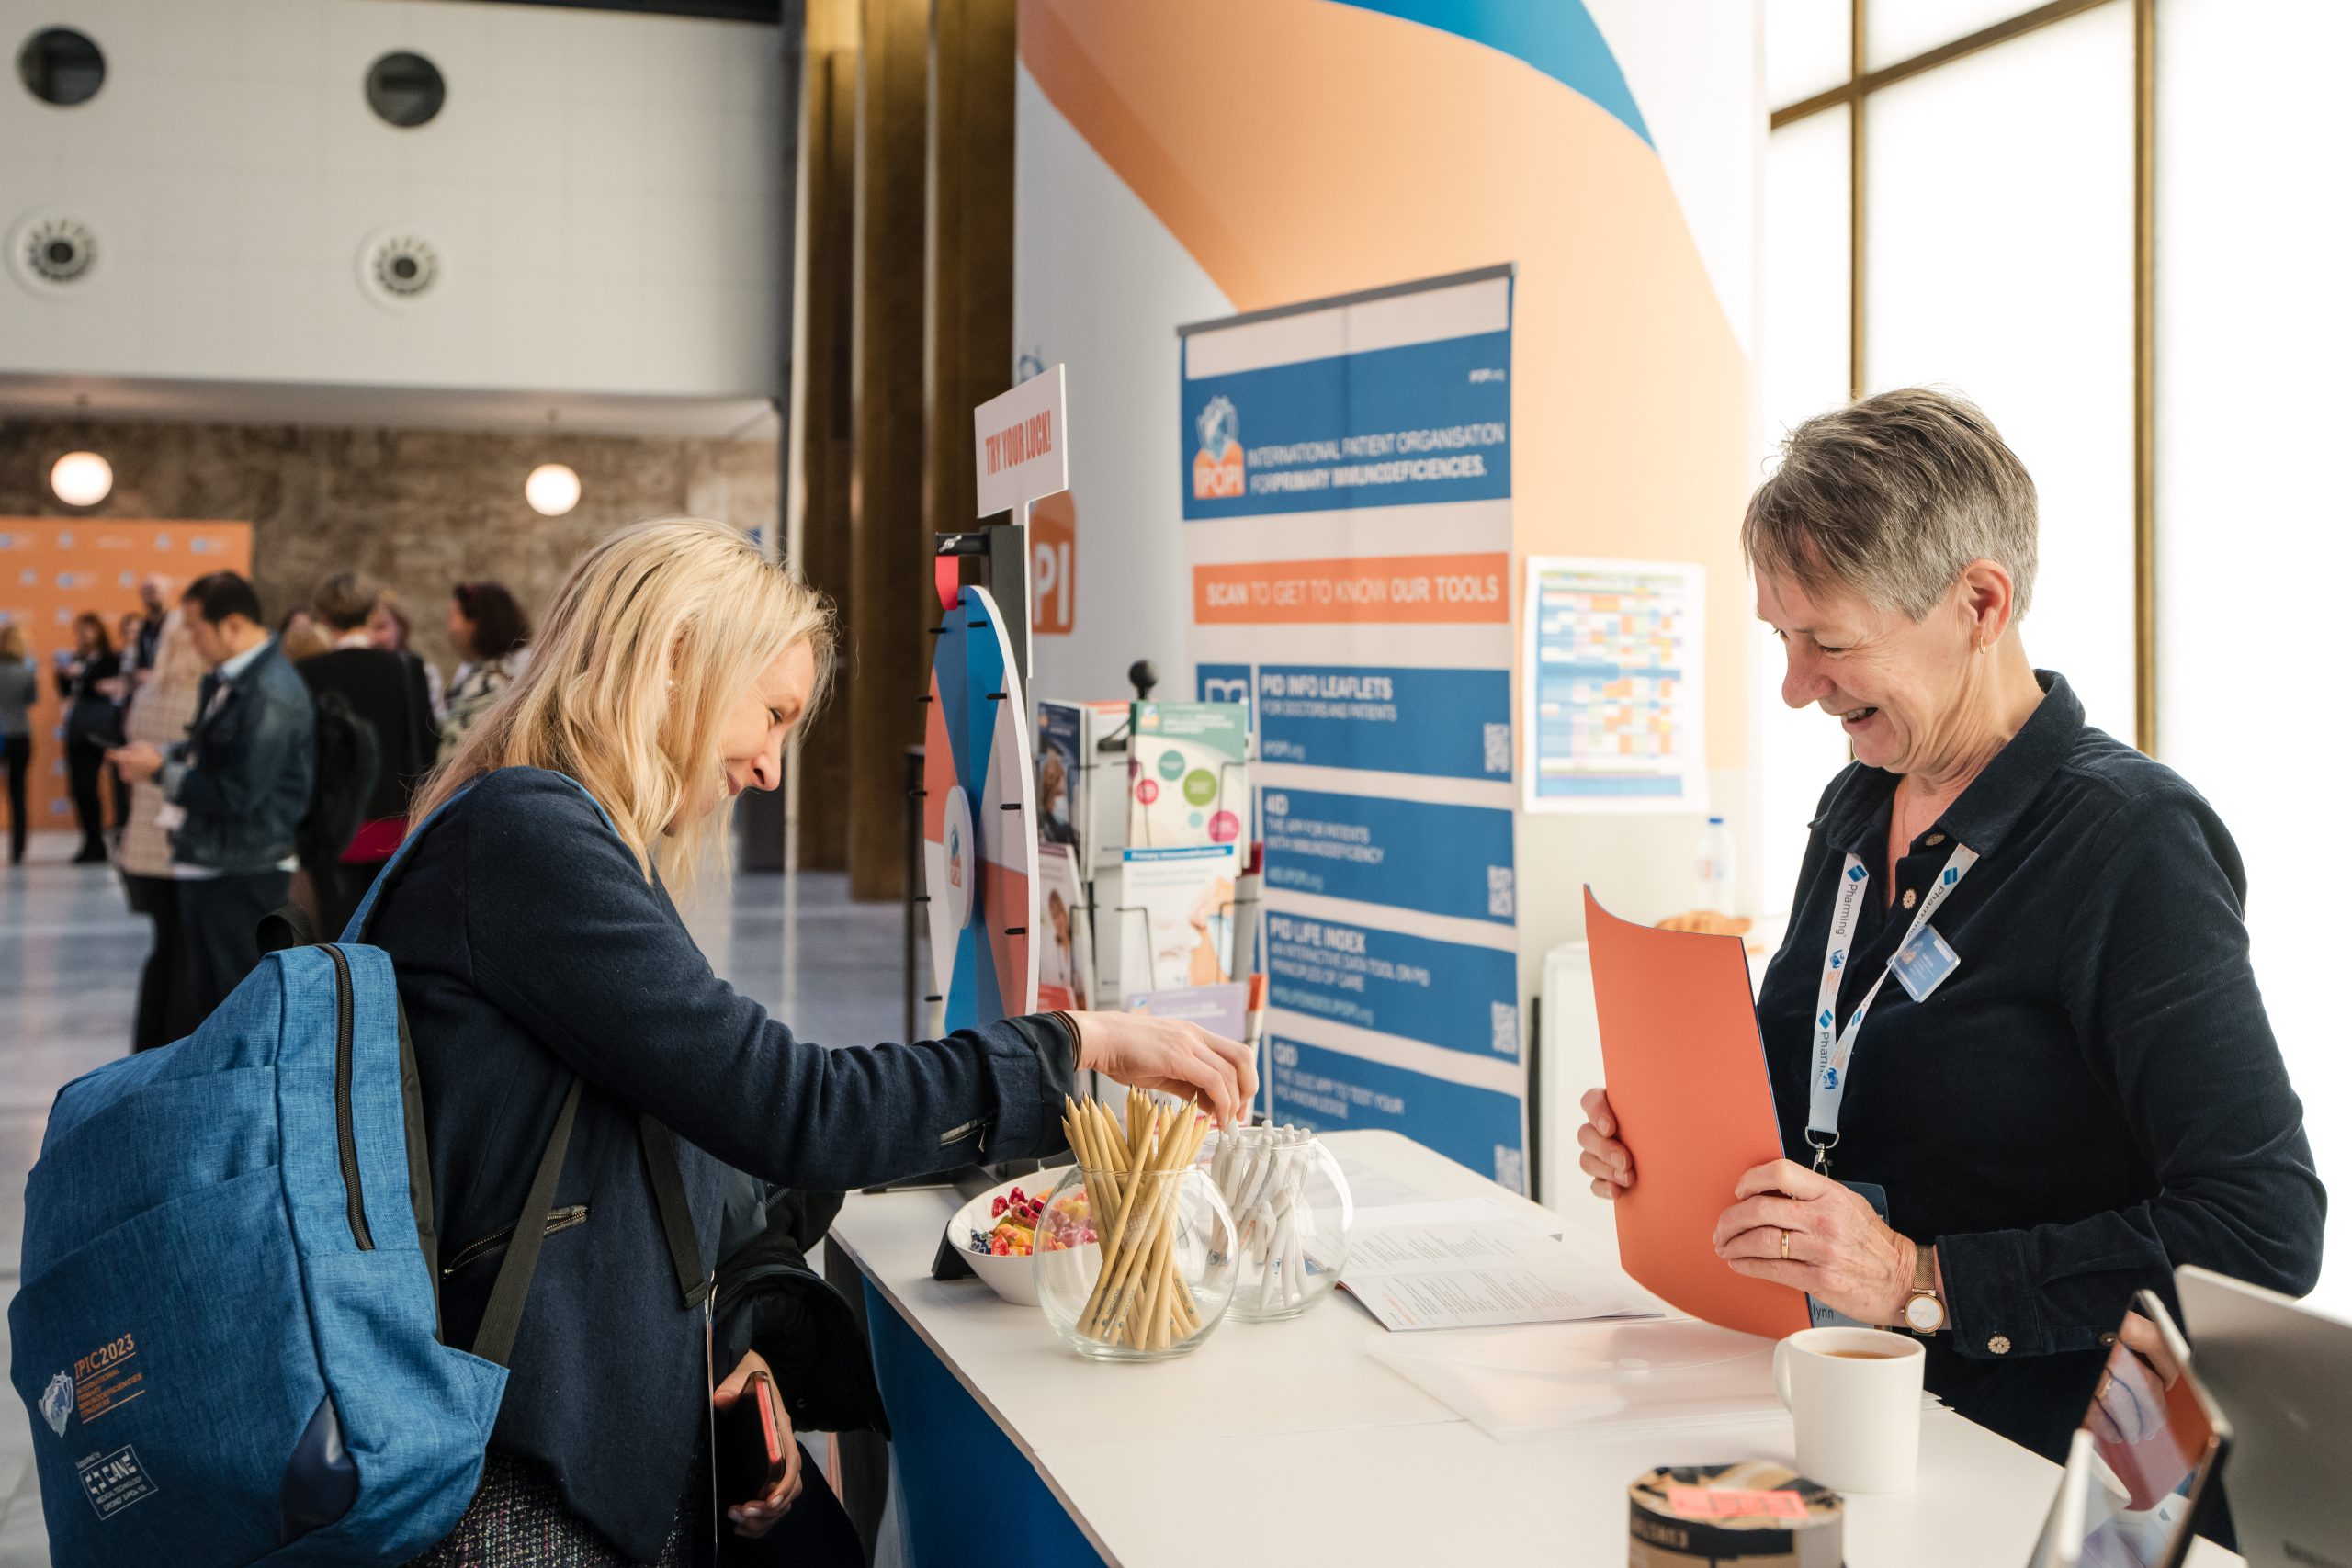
529, 948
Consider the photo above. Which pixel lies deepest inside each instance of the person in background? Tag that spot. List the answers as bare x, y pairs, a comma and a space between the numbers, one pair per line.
389, 627
543, 964
160, 712
239, 785
86, 676
128, 631
385, 690
299, 635
492, 642
20, 686
138, 647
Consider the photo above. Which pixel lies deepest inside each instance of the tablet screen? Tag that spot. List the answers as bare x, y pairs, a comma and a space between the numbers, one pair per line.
2153, 1445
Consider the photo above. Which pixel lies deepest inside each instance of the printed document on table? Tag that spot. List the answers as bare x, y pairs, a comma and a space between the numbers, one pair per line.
1468, 1264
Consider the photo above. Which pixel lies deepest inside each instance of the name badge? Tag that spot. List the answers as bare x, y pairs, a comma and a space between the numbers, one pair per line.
1923, 963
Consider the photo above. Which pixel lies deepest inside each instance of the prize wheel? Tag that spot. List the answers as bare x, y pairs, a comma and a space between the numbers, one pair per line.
980, 821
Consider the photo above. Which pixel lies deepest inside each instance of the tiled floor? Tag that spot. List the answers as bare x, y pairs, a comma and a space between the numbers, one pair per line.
69, 960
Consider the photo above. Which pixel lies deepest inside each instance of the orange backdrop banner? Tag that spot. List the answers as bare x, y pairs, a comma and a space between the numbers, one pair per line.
52, 569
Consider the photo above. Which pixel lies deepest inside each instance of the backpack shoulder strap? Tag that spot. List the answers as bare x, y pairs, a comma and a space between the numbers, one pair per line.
504, 1315
677, 1221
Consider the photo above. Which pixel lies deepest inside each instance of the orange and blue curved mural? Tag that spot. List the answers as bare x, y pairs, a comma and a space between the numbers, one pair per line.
1299, 149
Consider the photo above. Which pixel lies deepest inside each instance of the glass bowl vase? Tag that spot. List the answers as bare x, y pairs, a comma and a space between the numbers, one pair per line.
1293, 1212
1134, 1267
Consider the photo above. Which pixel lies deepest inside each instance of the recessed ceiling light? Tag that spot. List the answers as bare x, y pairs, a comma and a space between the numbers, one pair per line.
82, 478
552, 490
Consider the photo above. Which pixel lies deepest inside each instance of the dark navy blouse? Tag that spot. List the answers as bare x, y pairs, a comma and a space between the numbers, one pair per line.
2091, 1098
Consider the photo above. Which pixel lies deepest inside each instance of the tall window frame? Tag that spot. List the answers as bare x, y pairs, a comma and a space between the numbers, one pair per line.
1853, 94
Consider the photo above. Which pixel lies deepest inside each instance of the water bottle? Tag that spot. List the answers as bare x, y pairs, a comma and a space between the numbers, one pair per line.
1717, 866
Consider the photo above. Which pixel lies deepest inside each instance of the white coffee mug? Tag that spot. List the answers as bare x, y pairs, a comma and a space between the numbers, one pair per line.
1855, 1395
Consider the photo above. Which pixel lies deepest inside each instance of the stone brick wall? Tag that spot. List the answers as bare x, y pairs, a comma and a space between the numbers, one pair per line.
418, 509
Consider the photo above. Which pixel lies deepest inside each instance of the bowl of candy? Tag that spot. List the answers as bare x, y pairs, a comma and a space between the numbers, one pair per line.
997, 1233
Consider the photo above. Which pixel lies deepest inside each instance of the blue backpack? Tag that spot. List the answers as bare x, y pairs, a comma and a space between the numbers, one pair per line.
228, 1332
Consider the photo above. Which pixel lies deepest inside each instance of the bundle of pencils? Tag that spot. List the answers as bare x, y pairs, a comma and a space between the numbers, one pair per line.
1134, 1180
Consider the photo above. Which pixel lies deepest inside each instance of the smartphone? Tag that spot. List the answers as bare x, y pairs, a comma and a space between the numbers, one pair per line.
753, 1447
105, 741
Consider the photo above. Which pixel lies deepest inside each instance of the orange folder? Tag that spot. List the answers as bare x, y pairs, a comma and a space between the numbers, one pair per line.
1687, 1081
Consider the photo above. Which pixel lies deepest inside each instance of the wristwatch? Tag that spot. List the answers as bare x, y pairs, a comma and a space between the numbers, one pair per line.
1923, 1314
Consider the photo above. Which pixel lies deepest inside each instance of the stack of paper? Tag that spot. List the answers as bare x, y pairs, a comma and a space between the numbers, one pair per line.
1469, 1264
1617, 1377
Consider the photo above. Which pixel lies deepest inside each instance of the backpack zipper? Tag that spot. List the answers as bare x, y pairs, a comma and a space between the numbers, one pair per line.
346, 1141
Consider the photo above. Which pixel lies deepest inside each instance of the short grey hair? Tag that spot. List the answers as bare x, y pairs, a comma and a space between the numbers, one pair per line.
1891, 498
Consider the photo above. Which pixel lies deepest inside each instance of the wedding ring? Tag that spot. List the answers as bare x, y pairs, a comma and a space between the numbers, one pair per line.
1784, 1246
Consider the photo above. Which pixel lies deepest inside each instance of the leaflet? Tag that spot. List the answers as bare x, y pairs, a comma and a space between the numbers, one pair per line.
1081, 788
1188, 775
1175, 917
1066, 958
1468, 1264
1222, 1011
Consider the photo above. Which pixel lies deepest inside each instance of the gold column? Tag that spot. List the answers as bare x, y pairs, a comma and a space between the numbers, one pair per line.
816, 501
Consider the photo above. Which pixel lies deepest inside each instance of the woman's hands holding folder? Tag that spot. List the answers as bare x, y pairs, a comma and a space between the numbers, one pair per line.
1607, 1161
1796, 1227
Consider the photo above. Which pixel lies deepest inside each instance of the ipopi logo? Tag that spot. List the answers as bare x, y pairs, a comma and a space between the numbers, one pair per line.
57, 1402
1829, 1077
1218, 473
1838, 959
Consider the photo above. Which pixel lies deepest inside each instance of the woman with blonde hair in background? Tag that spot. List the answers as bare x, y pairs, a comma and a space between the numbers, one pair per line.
549, 981
161, 710
19, 688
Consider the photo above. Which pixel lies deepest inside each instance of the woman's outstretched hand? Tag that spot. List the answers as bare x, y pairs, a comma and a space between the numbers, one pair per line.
1171, 1056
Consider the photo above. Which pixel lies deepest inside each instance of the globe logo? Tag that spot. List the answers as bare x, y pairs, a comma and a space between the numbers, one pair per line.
1218, 468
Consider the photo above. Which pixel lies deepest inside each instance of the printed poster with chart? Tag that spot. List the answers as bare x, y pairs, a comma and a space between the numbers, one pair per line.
1616, 710
1345, 469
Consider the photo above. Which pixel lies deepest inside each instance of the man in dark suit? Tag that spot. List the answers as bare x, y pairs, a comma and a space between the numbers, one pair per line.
238, 785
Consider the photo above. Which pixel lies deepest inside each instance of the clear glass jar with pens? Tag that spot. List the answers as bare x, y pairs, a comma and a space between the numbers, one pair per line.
1293, 1213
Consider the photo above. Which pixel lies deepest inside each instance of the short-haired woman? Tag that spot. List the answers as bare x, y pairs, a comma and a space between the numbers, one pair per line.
2073, 1088
536, 943
384, 690
86, 676
493, 640
19, 685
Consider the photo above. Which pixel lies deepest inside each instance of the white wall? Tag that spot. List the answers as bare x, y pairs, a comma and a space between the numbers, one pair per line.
2254, 530
603, 188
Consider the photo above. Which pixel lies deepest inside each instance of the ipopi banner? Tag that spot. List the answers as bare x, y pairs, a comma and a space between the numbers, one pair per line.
1346, 474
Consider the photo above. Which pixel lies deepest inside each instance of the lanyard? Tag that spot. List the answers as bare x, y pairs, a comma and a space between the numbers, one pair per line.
1833, 1051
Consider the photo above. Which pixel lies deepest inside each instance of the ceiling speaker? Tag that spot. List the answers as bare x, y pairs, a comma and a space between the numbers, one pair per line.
48, 251
398, 267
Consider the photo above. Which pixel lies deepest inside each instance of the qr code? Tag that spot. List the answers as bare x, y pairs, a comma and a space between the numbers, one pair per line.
1502, 894
1511, 1167
1498, 748
1506, 1015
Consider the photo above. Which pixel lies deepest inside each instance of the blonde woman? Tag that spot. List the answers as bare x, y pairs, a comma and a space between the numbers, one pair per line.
535, 943
161, 710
